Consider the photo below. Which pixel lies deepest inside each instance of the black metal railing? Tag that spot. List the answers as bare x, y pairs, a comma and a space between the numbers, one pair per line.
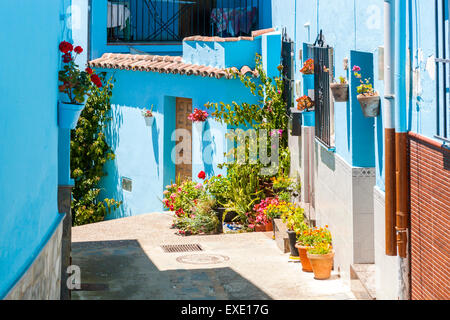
173, 20
442, 70
287, 61
322, 100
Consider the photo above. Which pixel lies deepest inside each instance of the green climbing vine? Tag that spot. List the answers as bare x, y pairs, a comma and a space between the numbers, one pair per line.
268, 113
89, 151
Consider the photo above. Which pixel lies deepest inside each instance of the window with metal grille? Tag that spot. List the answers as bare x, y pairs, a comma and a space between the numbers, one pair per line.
442, 69
173, 20
287, 60
324, 107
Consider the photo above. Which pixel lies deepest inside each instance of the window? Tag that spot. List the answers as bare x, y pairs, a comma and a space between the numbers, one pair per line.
442, 70
173, 20
324, 107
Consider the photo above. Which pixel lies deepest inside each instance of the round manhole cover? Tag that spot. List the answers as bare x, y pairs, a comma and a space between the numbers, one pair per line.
203, 259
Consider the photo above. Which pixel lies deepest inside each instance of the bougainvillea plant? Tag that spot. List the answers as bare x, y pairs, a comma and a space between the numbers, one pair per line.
305, 103
365, 88
198, 115
308, 67
147, 113
75, 83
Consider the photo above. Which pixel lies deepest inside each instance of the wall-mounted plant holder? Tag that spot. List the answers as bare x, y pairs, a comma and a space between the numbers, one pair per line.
308, 118
68, 114
308, 84
370, 105
149, 121
340, 91
198, 127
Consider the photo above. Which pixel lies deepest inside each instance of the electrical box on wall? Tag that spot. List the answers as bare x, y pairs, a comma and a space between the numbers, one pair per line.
127, 184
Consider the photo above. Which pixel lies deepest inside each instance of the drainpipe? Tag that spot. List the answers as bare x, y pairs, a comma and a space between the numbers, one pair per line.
389, 131
401, 161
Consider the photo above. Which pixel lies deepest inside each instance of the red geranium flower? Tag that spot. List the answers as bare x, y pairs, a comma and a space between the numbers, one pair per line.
202, 175
78, 49
89, 70
96, 80
67, 57
65, 47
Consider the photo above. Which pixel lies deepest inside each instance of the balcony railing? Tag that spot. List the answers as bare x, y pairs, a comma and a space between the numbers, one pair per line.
173, 20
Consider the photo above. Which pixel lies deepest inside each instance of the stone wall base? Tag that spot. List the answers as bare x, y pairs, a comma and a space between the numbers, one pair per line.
42, 280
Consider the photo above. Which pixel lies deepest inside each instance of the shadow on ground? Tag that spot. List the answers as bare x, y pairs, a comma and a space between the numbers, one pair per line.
122, 270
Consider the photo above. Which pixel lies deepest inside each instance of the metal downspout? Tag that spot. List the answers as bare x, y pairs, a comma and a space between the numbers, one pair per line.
389, 131
401, 160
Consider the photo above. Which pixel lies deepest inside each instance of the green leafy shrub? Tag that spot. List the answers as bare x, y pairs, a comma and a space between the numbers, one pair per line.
89, 152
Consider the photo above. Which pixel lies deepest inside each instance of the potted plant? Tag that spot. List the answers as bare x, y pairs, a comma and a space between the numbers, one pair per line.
198, 118
305, 239
76, 85
308, 75
148, 116
295, 223
321, 258
217, 187
340, 90
306, 105
368, 98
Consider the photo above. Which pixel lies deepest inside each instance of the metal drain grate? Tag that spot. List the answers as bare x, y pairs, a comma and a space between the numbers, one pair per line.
168, 248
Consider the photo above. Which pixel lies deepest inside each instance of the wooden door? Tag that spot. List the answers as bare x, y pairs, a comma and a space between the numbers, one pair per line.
183, 164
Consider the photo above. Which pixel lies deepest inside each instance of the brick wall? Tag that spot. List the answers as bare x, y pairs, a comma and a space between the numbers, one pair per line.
430, 221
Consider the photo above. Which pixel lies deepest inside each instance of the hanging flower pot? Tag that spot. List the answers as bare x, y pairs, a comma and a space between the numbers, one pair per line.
149, 121
321, 264
340, 91
368, 98
308, 118
68, 114
148, 116
370, 104
302, 252
198, 127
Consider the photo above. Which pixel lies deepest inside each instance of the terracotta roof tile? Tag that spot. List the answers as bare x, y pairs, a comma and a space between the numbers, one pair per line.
255, 34
164, 64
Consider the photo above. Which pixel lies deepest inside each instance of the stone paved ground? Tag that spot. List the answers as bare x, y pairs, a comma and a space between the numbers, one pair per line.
122, 259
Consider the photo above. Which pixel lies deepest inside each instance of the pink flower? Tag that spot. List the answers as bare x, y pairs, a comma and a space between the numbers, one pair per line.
356, 69
198, 186
251, 226
166, 192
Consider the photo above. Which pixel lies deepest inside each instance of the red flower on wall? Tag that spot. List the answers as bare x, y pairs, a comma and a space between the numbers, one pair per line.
89, 70
65, 47
96, 80
78, 49
202, 175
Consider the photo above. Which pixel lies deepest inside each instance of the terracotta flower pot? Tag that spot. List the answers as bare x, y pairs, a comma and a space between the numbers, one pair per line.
340, 91
260, 228
370, 105
269, 226
302, 252
321, 265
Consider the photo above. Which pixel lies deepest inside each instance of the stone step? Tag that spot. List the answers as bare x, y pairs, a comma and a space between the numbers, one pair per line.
363, 281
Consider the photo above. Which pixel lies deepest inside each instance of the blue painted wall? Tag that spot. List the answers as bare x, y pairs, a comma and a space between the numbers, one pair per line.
143, 153
29, 62
359, 27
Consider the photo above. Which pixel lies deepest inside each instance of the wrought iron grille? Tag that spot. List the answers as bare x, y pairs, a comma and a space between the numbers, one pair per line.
322, 55
442, 69
287, 60
173, 20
